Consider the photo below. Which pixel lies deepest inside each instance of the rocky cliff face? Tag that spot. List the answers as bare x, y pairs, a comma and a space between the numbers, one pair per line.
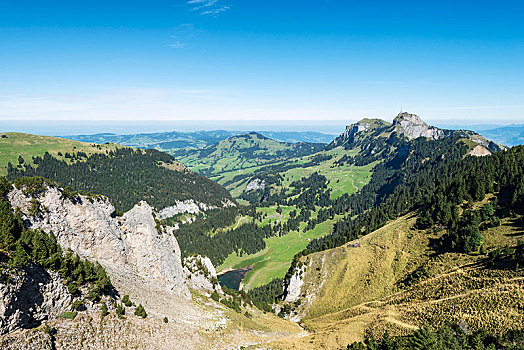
132, 245
202, 273
31, 296
295, 284
351, 131
189, 206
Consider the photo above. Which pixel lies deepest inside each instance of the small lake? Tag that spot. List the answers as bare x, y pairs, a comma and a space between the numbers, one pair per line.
233, 278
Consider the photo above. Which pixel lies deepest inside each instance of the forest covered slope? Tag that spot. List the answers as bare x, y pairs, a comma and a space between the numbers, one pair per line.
125, 175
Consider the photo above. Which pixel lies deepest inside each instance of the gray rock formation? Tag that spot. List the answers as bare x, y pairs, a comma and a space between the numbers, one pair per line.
189, 206
295, 284
202, 273
352, 129
125, 246
31, 296
255, 184
181, 207
413, 127
350, 132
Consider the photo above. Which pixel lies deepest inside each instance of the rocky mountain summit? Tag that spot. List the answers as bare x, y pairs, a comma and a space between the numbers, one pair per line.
413, 127
406, 126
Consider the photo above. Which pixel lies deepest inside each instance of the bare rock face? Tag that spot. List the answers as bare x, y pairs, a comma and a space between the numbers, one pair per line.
202, 273
413, 127
255, 184
151, 254
479, 151
31, 296
189, 206
129, 245
81, 225
351, 131
293, 293
295, 285
180, 207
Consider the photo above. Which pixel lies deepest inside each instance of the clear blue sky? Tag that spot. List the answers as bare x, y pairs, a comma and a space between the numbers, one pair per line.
252, 60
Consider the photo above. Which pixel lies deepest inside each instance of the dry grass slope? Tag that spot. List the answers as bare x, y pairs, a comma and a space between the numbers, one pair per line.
353, 293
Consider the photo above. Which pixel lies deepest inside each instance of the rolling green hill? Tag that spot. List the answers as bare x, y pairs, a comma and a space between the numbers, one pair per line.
241, 152
162, 141
398, 282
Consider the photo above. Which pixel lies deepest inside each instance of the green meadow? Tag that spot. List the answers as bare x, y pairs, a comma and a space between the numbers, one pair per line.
13, 145
274, 261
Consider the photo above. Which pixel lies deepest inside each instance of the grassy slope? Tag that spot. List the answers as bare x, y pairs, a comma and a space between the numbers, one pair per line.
274, 261
342, 179
233, 154
351, 293
27, 146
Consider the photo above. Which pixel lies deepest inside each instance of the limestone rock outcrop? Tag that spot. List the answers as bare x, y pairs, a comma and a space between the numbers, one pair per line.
133, 244
255, 184
189, 206
413, 127
30, 296
202, 273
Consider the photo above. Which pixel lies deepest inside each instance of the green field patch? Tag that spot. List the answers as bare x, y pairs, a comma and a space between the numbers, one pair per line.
274, 260
240, 220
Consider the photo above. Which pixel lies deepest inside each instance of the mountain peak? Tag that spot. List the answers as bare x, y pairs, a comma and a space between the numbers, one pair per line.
405, 117
412, 126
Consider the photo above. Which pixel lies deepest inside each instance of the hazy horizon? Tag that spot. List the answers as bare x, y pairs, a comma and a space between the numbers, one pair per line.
122, 127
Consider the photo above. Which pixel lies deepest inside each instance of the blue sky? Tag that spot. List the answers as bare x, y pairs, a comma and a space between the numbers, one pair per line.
262, 60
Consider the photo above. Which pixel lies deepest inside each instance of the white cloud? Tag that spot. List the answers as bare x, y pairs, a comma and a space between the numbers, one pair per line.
177, 44
208, 7
216, 11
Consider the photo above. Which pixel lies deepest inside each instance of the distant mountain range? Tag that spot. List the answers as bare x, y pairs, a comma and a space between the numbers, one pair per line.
511, 135
175, 140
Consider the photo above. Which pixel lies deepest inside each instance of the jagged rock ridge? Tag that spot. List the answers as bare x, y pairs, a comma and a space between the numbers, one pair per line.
413, 127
